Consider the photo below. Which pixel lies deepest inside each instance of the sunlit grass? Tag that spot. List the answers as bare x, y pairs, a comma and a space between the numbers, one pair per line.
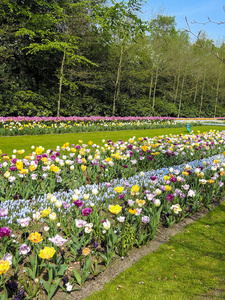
50, 141
190, 266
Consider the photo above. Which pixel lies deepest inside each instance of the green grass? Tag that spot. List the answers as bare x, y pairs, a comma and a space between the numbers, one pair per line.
7, 144
190, 266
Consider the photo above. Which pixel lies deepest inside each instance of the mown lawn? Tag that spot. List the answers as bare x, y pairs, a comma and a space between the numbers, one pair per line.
190, 266
50, 141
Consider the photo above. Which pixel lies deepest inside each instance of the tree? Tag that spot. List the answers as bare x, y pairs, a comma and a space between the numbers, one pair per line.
40, 32
122, 23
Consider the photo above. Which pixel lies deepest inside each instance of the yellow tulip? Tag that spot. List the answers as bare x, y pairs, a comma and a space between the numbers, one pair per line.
115, 209
47, 252
118, 189
4, 266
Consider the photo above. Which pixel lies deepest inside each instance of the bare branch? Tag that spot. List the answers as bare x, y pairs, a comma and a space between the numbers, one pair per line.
207, 22
198, 40
187, 22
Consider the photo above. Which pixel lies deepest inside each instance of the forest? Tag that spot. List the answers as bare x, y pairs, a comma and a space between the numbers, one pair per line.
99, 58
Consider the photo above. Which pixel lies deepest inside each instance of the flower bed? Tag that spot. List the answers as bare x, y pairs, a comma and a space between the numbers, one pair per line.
58, 241
11, 126
69, 167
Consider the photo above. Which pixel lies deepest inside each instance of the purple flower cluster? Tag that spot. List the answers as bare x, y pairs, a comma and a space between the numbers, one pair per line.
5, 231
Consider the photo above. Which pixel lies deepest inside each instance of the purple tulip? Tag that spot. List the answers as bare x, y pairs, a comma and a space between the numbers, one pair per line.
162, 188
13, 168
95, 244
8, 257
173, 179
5, 231
14, 160
66, 205
78, 203
169, 197
3, 212
58, 240
86, 211
145, 219
24, 249
20, 295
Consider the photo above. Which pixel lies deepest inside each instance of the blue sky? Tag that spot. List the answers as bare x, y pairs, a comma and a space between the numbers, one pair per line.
198, 10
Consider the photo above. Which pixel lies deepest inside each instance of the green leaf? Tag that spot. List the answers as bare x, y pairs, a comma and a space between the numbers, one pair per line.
45, 284
53, 288
62, 269
50, 274
77, 276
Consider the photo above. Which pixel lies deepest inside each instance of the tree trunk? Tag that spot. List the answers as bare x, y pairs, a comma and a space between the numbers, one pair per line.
61, 81
196, 90
202, 95
150, 87
217, 93
178, 82
117, 85
181, 94
156, 80
174, 83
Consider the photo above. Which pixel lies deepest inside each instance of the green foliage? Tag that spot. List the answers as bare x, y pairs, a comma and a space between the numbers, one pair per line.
165, 108
133, 107
127, 239
108, 58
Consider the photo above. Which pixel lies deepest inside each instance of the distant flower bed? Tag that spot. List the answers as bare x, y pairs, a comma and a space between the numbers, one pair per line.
10, 126
201, 120
69, 167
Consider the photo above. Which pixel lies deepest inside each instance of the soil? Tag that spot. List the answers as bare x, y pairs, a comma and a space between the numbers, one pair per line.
162, 236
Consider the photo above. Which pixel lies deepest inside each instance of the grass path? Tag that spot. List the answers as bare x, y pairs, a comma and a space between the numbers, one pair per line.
190, 266
7, 144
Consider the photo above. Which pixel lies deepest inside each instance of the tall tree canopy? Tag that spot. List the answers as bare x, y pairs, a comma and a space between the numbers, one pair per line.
97, 57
